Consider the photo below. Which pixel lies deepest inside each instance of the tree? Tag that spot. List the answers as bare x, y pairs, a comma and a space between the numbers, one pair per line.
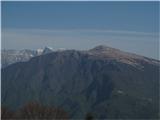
6, 113
37, 111
89, 116
34, 111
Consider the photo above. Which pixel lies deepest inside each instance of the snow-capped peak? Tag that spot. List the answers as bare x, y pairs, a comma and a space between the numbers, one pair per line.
39, 51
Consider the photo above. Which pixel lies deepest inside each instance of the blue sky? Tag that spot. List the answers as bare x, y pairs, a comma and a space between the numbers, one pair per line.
130, 26
133, 16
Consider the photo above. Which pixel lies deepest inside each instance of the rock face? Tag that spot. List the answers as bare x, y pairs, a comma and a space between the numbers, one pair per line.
47, 50
105, 82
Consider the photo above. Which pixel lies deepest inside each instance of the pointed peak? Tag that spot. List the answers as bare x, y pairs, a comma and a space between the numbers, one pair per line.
48, 48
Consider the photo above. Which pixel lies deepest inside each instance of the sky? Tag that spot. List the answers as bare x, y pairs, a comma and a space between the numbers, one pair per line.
129, 26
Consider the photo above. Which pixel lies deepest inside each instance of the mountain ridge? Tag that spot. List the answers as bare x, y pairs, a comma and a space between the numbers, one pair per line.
82, 82
98, 51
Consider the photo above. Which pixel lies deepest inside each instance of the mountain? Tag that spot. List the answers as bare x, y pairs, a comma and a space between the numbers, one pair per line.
47, 50
103, 81
12, 56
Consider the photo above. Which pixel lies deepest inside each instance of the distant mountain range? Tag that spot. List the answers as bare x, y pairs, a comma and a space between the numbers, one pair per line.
105, 82
13, 56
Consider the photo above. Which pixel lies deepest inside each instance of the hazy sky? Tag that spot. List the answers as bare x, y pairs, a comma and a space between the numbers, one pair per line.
130, 26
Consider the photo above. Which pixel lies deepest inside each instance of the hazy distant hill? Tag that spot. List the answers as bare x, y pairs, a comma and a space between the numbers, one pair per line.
106, 82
